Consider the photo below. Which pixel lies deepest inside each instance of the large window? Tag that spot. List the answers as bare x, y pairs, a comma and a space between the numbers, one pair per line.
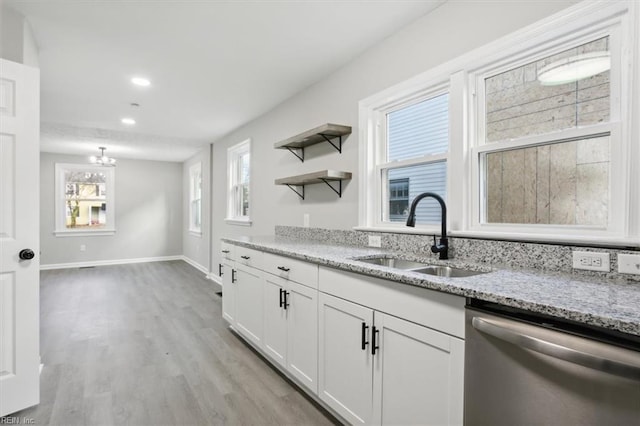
84, 200
195, 198
530, 137
238, 175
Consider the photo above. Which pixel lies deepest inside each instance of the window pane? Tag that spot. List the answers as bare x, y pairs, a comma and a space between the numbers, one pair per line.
85, 199
562, 184
518, 104
244, 167
412, 181
418, 130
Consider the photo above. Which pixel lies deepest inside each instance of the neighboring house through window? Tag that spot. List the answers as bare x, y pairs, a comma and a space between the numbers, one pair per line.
238, 181
84, 200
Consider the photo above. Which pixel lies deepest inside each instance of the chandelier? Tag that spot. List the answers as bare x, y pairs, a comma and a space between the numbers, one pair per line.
102, 160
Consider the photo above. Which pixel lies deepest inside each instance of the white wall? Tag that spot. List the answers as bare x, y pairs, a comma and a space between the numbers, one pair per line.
451, 30
196, 247
148, 214
17, 43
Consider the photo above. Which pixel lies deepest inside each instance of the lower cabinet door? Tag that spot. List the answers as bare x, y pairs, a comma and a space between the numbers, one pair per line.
418, 375
249, 303
275, 319
302, 334
345, 380
228, 293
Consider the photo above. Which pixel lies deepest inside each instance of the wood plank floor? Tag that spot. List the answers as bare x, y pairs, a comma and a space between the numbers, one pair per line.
145, 344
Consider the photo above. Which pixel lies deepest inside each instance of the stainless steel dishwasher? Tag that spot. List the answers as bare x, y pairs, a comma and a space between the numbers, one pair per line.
524, 369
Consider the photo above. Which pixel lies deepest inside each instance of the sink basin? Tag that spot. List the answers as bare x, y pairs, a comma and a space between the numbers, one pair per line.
447, 271
393, 263
422, 268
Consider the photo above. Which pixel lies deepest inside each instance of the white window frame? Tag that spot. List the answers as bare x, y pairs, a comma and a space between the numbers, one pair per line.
60, 204
234, 216
583, 22
195, 178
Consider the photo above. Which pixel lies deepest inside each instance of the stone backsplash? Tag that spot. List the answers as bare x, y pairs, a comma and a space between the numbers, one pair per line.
496, 253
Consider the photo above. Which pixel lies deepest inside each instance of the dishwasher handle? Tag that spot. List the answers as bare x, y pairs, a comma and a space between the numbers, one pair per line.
557, 351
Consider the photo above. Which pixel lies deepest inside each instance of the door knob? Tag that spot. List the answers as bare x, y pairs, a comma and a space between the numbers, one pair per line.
26, 254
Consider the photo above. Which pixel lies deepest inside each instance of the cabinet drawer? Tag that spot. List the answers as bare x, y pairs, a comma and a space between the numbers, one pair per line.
248, 257
227, 251
291, 269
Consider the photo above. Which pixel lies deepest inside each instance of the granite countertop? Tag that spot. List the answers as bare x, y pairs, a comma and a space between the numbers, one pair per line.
595, 301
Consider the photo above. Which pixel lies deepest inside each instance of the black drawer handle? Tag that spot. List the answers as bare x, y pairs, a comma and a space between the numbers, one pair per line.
282, 268
364, 336
226, 251
374, 345
245, 257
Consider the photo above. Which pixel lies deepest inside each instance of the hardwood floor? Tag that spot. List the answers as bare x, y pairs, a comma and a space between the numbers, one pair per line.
145, 344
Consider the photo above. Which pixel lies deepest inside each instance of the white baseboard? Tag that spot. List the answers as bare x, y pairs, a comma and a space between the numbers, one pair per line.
109, 262
196, 265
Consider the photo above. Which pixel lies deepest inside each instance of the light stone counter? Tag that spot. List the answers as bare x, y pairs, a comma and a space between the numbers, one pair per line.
612, 304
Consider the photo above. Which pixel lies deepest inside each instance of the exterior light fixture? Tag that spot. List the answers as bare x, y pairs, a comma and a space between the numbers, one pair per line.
102, 160
574, 68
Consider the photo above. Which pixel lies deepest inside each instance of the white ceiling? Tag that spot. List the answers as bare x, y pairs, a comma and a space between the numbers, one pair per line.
214, 65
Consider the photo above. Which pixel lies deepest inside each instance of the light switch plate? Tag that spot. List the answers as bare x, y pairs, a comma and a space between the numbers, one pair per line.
629, 263
591, 261
375, 241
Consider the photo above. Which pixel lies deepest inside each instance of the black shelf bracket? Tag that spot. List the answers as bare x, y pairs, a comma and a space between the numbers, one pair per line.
294, 151
300, 194
337, 191
328, 139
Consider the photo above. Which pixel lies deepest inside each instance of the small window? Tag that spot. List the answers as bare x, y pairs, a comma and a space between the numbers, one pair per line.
195, 198
239, 174
417, 142
84, 200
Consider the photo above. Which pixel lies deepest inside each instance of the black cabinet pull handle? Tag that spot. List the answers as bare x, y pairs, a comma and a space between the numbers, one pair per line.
374, 345
245, 257
364, 336
281, 294
286, 303
220, 270
233, 276
282, 268
225, 251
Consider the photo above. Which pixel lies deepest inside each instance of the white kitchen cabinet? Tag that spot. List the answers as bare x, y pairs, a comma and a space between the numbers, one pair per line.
415, 373
249, 303
345, 362
418, 374
291, 328
228, 291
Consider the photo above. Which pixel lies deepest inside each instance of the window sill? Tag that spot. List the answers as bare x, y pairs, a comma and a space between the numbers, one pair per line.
239, 222
96, 233
195, 233
419, 230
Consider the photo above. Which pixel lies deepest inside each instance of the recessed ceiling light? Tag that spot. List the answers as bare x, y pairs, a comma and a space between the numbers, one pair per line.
140, 81
128, 121
574, 68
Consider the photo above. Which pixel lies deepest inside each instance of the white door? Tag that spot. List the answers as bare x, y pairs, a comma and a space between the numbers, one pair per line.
275, 319
249, 303
19, 230
302, 334
418, 375
228, 292
345, 380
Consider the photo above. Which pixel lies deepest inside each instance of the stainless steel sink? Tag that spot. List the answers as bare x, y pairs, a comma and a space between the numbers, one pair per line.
420, 267
394, 263
447, 271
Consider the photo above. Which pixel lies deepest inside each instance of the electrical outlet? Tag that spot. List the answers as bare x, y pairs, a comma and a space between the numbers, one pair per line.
591, 261
83, 247
375, 241
629, 263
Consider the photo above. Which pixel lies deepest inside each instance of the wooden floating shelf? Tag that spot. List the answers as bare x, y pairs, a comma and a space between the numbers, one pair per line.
324, 133
324, 176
